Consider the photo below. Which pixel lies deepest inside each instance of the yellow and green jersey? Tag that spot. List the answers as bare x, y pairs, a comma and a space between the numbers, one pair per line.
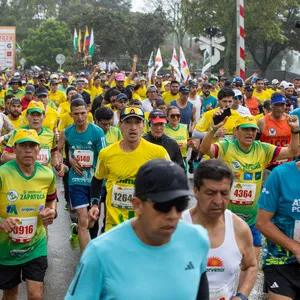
120, 169
47, 143
58, 97
168, 97
181, 135
23, 198
248, 168
113, 135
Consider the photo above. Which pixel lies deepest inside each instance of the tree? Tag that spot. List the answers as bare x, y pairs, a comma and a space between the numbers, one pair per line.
44, 43
268, 26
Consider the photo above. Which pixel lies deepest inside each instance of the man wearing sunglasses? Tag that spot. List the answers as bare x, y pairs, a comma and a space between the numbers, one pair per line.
238, 103
231, 257
153, 256
119, 164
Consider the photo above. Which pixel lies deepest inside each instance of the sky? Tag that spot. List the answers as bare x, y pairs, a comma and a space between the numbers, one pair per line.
137, 5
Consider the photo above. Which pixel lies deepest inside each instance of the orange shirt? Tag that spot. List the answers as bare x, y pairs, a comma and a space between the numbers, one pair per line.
252, 105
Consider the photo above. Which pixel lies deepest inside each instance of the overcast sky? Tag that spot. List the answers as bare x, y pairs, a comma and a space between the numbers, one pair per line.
137, 5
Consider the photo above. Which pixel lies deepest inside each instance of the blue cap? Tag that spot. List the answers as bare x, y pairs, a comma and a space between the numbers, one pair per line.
278, 99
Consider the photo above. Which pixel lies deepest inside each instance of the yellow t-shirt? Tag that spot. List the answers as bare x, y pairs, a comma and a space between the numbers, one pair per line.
136, 96
168, 97
66, 120
113, 135
58, 98
264, 95
95, 91
214, 94
141, 91
64, 107
181, 135
120, 169
50, 122
205, 122
16, 123
259, 116
109, 106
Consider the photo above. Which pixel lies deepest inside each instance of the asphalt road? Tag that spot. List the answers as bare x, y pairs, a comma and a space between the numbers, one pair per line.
62, 259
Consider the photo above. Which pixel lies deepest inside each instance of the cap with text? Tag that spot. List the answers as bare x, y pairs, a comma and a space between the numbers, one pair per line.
26, 135
246, 122
36, 106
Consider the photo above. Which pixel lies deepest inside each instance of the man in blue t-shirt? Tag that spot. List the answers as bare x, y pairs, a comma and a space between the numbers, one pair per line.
208, 101
154, 256
85, 140
279, 221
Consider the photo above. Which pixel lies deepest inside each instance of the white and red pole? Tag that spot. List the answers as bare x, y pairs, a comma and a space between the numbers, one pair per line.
240, 41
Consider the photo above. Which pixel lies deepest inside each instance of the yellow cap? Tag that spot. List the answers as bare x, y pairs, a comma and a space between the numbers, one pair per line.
35, 106
246, 122
26, 135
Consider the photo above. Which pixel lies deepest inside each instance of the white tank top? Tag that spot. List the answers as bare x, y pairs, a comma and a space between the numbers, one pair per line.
223, 265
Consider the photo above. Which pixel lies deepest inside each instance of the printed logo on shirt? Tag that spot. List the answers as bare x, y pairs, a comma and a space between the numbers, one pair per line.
257, 175
12, 195
244, 217
248, 176
236, 165
215, 264
27, 209
11, 209
237, 175
272, 131
296, 205
90, 143
190, 266
265, 191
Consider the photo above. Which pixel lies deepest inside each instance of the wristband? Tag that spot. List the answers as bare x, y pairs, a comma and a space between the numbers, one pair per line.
95, 201
297, 131
242, 296
213, 129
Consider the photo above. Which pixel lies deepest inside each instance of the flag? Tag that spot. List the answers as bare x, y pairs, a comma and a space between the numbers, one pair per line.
150, 66
175, 64
158, 61
80, 41
150, 62
184, 69
92, 46
75, 41
206, 61
86, 42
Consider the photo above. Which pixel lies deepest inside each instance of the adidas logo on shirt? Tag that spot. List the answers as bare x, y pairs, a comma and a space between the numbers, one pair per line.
190, 266
274, 285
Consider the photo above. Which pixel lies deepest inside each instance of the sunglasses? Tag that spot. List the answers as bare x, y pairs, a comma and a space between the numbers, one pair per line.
175, 116
132, 110
238, 97
180, 204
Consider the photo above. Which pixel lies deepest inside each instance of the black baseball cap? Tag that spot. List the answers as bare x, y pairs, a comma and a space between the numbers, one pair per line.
184, 90
161, 181
15, 101
42, 91
249, 87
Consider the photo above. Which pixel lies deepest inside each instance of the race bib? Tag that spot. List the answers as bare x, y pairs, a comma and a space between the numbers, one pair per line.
43, 157
297, 231
219, 294
243, 193
121, 196
24, 231
85, 158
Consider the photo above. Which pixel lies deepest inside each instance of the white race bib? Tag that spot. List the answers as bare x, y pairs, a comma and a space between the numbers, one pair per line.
121, 196
85, 158
243, 193
297, 231
43, 157
24, 231
221, 293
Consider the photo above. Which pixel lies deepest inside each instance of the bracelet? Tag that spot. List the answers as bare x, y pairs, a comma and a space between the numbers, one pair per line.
297, 131
213, 129
242, 296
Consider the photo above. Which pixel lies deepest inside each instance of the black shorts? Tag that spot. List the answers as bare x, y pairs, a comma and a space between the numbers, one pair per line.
11, 276
283, 280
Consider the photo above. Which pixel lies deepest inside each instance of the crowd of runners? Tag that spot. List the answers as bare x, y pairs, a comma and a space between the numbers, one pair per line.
126, 144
